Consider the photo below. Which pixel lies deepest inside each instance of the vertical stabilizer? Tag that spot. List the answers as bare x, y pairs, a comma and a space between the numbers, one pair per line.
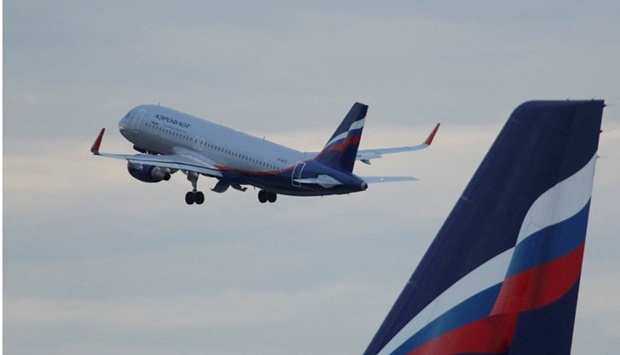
502, 275
341, 149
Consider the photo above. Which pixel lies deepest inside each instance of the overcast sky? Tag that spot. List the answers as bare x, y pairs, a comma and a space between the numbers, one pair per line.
96, 262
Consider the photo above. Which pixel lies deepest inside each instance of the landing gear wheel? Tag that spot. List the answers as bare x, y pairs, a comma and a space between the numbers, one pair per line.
190, 198
200, 197
196, 197
262, 196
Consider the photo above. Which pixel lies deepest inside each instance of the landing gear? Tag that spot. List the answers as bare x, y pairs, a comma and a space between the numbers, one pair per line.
266, 196
194, 196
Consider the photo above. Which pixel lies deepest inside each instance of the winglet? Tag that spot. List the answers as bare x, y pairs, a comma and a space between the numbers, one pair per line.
95, 148
431, 136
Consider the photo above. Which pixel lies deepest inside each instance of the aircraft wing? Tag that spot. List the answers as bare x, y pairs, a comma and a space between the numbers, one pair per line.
182, 160
365, 155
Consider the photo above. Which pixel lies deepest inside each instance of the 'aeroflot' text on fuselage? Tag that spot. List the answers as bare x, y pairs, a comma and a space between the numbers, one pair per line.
172, 121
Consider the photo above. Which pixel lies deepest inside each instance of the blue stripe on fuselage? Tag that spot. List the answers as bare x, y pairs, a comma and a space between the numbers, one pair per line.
281, 181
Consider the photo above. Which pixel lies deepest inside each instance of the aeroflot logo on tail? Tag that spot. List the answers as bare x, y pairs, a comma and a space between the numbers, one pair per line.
172, 121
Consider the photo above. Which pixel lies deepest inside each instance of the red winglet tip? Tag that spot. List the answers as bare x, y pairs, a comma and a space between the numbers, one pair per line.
431, 136
95, 148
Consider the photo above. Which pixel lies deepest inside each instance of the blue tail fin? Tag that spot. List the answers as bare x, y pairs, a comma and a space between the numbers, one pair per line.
502, 275
341, 149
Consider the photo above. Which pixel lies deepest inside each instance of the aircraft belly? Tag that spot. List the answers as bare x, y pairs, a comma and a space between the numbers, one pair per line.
282, 184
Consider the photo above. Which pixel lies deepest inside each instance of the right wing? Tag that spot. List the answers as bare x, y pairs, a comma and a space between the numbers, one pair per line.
184, 159
366, 155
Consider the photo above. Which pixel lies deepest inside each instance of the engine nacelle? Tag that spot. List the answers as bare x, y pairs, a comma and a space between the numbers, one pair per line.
148, 173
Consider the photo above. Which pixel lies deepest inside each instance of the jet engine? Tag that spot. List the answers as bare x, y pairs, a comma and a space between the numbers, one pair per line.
148, 173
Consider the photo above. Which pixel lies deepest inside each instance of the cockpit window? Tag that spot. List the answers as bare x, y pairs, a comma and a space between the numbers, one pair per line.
130, 115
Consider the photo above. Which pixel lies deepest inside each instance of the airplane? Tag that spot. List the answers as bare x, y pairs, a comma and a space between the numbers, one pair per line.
502, 275
171, 141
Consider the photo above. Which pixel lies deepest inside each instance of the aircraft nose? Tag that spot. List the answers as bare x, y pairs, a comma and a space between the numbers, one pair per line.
122, 127
122, 124
364, 186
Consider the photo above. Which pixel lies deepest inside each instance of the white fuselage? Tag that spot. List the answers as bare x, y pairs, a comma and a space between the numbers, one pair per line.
163, 130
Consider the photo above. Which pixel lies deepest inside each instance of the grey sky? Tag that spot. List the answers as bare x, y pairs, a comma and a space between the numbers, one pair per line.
97, 262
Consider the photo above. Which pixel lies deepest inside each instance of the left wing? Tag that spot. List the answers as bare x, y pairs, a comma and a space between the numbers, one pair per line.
366, 155
182, 160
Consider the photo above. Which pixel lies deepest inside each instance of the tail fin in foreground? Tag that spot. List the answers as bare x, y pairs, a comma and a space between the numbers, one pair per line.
502, 275
341, 149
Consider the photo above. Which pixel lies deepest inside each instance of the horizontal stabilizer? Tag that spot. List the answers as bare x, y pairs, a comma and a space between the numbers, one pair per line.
323, 180
378, 179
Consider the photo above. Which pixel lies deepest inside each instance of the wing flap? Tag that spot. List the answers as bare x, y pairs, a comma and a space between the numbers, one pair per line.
173, 161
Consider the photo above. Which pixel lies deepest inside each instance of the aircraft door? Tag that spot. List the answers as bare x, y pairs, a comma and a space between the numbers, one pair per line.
135, 125
296, 174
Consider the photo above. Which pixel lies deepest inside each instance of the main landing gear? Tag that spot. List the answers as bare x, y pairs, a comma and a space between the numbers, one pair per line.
265, 196
194, 196
197, 197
